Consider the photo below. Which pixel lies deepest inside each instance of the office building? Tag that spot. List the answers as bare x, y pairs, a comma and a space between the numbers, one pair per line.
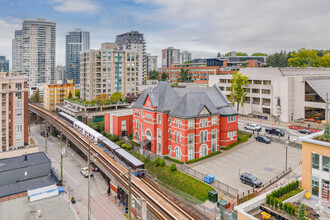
284, 94
35, 50
17, 52
183, 123
109, 70
151, 63
170, 56
14, 116
57, 93
135, 42
75, 42
119, 122
60, 73
4, 64
316, 166
185, 56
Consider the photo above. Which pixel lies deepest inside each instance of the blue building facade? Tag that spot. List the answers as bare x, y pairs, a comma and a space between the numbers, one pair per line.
4, 64
75, 42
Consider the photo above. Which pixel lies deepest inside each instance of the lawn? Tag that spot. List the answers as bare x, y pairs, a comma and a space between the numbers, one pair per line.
176, 179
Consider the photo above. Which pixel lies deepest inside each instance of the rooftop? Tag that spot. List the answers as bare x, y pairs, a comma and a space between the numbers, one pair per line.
310, 139
19, 162
122, 112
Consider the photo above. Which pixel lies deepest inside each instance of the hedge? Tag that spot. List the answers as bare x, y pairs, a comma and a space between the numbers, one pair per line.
242, 137
173, 160
202, 158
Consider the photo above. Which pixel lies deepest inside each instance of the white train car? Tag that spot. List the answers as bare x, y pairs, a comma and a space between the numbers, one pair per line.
68, 118
87, 131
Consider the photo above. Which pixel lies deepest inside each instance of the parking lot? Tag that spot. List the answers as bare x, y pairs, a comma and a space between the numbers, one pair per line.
264, 161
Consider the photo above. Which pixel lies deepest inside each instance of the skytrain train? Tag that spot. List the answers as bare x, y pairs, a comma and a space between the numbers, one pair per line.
105, 144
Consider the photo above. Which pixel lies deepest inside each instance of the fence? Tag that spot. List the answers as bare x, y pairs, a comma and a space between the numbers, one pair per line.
228, 190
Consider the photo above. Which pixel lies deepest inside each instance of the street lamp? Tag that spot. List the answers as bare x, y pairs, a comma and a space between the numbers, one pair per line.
286, 155
89, 177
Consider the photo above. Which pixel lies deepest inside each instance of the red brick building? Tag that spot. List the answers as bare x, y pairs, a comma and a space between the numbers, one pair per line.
119, 122
184, 123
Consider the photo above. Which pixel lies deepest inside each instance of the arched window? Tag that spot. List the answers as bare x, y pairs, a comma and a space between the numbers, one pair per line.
178, 153
201, 136
136, 135
176, 137
179, 139
169, 150
148, 133
203, 150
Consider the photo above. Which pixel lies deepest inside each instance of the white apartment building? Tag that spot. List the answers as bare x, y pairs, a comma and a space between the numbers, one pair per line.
286, 94
108, 70
34, 51
14, 112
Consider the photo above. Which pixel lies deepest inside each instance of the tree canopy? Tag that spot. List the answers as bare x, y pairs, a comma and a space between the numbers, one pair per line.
164, 76
101, 99
154, 74
36, 96
184, 75
304, 58
278, 59
218, 55
258, 54
70, 95
238, 94
237, 54
116, 97
77, 93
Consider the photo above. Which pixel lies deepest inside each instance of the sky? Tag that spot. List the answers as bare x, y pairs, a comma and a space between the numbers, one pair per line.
203, 27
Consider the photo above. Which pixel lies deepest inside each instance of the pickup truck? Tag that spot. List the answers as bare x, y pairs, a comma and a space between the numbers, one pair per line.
252, 127
275, 131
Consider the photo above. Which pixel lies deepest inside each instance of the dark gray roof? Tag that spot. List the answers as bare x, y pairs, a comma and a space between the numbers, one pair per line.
185, 102
321, 86
19, 187
18, 162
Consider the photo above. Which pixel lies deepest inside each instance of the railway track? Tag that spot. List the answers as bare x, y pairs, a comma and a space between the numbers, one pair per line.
158, 202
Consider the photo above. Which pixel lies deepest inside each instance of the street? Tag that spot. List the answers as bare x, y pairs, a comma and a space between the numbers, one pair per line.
102, 206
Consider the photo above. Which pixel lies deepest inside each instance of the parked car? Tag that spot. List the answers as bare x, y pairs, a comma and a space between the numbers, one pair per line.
304, 131
43, 134
275, 131
252, 127
263, 139
84, 172
251, 180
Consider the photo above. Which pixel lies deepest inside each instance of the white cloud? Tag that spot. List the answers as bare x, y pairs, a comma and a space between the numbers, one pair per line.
78, 6
8, 27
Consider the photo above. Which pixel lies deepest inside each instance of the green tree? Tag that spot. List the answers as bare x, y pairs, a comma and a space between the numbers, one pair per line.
304, 58
278, 60
36, 97
101, 99
153, 74
325, 60
238, 94
258, 54
184, 75
218, 55
164, 76
116, 97
70, 95
77, 93
301, 212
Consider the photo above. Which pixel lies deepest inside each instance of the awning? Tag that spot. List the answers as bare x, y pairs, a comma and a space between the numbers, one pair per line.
321, 86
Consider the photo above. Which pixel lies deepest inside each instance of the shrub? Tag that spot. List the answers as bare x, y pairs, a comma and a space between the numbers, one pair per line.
162, 162
276, 203
104, 133
174, 160
301, 212
129, 147
272, 201
114, 138
157, 160
120, 143
293, 211
268, 199
201, 158
173, 167
124, 145
285, 207
281, 205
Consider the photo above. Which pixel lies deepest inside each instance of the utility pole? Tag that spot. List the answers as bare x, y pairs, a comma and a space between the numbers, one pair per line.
46, 134
129, 194
327, 109
61, 157
89, 177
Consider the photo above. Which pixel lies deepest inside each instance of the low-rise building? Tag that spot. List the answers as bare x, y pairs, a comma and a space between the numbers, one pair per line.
57, 93
284, 94
197, 72
119, 122
184, 123
14, 117
316, 166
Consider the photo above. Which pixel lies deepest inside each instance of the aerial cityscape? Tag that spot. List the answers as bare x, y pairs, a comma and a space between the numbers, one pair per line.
146, 109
